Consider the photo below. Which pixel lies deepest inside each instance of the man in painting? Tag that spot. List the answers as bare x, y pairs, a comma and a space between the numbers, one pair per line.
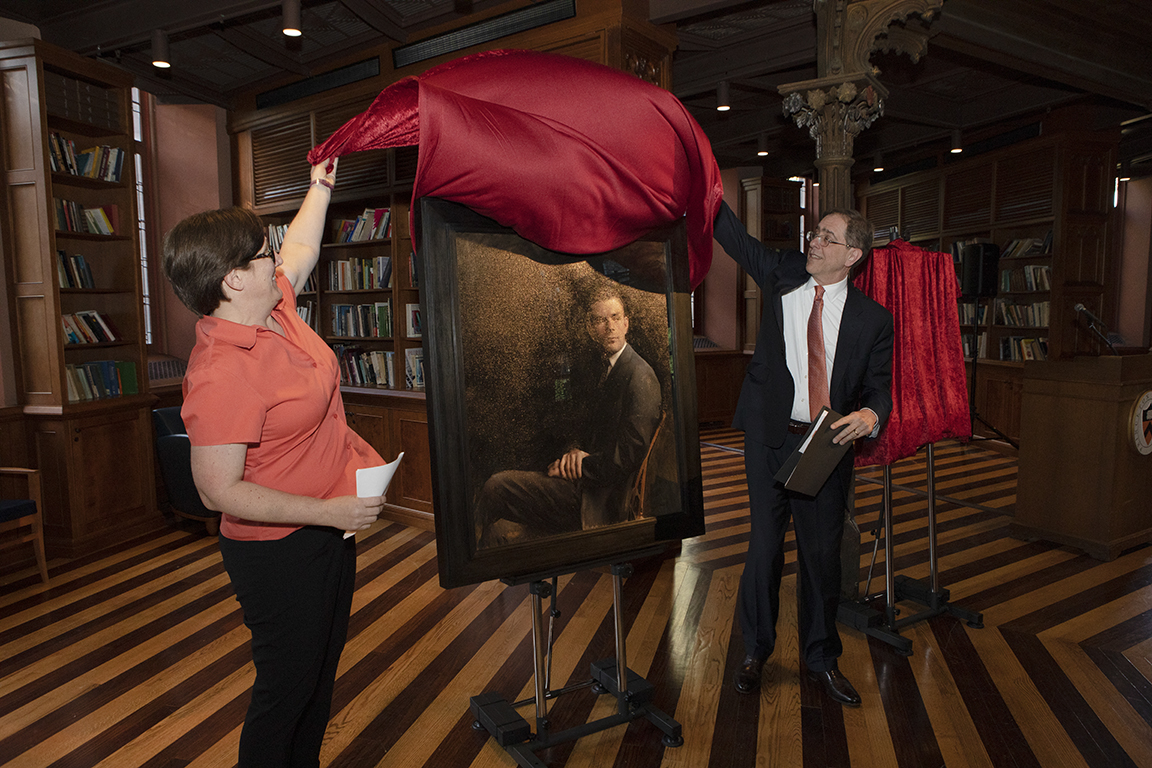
589, 485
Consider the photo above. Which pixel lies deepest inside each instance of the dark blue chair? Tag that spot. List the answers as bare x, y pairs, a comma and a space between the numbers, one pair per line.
174, 451
20, 513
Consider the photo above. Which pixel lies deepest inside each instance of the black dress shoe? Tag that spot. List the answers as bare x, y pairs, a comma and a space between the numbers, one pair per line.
837, 686
747, 677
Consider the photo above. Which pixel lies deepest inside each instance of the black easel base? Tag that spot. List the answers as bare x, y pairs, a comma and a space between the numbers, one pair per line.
872, 622
512, 732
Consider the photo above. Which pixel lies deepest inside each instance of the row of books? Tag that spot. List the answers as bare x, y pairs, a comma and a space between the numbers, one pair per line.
100, 379
1027, 246
74, 217
1030, 277
88, 327
1019, 348
360, 274
373, 224
968, 313
276, 236
974, 346
414, 368
73, 271
100, 162
415, 322
363, 321
307, 312
365, 368
1034, 315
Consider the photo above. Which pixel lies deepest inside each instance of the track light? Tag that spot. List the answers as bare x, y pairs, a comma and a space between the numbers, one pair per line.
762, 145
957, 145
722, 104
878, 163
290, 13
160, 58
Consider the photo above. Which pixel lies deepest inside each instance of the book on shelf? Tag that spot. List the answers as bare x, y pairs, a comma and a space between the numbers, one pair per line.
415, 326
307, 312
1027, 246
413, 278
364, 368
276, 236
74, 217
100, 162
1021, 348
975, 347
100, 379
384, 318
88, 327
373, 224
74, 271
360, 274
414, 368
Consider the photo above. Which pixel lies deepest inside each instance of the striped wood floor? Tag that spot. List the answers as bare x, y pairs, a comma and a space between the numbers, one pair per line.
139, 657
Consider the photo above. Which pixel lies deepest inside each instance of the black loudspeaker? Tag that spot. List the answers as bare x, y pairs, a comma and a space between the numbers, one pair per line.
979, 269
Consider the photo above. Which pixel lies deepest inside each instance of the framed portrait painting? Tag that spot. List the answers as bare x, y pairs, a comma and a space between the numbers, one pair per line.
561, 398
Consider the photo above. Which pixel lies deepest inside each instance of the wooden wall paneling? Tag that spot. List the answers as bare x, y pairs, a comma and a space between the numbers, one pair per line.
411, 497
920, 209
968, 197
883, 208
1026, 185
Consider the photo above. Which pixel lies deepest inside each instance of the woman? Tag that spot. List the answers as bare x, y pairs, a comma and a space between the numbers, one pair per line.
271, 450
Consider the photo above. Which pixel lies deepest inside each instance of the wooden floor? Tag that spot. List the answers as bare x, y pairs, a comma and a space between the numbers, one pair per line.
139, 657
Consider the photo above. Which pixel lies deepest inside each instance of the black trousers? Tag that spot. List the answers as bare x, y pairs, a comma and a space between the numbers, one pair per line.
296, 594
819, 525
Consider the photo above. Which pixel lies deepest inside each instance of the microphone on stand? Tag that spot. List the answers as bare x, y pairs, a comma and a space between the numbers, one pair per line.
1094, 323
1085, 311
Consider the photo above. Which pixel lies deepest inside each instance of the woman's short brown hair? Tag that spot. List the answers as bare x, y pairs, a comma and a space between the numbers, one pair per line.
203, 248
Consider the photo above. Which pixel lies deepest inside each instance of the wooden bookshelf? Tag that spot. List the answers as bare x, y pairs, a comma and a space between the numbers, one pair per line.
1054, 191
93, 446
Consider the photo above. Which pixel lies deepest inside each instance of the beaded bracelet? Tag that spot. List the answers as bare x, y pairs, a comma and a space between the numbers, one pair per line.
323, 183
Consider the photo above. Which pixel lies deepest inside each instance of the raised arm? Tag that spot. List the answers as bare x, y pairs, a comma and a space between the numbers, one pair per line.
301, 248
753, 256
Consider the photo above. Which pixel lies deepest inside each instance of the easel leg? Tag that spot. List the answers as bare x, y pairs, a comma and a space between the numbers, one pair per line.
633, 693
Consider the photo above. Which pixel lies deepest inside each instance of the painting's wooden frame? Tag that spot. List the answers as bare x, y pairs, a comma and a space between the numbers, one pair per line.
655, 268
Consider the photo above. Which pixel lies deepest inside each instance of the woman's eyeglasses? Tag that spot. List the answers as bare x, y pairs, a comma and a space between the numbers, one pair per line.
264, 254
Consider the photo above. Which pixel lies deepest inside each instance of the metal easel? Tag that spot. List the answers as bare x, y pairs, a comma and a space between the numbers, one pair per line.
633, 693
885, 625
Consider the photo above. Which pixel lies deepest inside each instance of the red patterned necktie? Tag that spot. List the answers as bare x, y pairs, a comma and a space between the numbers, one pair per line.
817, 370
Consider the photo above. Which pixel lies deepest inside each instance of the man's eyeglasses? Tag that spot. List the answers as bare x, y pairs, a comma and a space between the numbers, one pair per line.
822, 239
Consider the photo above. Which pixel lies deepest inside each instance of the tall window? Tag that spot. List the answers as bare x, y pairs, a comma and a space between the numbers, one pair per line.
141, 149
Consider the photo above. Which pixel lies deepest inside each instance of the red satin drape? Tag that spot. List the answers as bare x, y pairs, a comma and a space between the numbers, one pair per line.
575, 156
929, 382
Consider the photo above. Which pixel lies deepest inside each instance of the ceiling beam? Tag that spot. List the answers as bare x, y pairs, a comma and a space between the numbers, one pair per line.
376, 16
258, 47
148, 79
107, 26
1023, 36
786, 46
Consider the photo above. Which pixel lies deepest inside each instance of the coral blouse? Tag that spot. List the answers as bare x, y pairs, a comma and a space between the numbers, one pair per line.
279, 395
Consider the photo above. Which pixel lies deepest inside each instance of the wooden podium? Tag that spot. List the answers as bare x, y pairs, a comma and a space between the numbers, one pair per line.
1082, 480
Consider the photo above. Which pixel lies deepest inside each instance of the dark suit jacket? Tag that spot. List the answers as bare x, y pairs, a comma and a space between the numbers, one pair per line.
622, 417
861, 372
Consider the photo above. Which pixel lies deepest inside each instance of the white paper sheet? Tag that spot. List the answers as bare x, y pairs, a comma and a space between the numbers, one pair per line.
374, 481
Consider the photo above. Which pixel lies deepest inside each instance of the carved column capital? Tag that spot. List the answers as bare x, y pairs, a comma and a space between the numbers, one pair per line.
828, 110
848, 31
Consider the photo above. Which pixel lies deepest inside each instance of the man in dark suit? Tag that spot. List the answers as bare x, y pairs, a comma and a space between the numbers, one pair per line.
589, 484
821, 342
